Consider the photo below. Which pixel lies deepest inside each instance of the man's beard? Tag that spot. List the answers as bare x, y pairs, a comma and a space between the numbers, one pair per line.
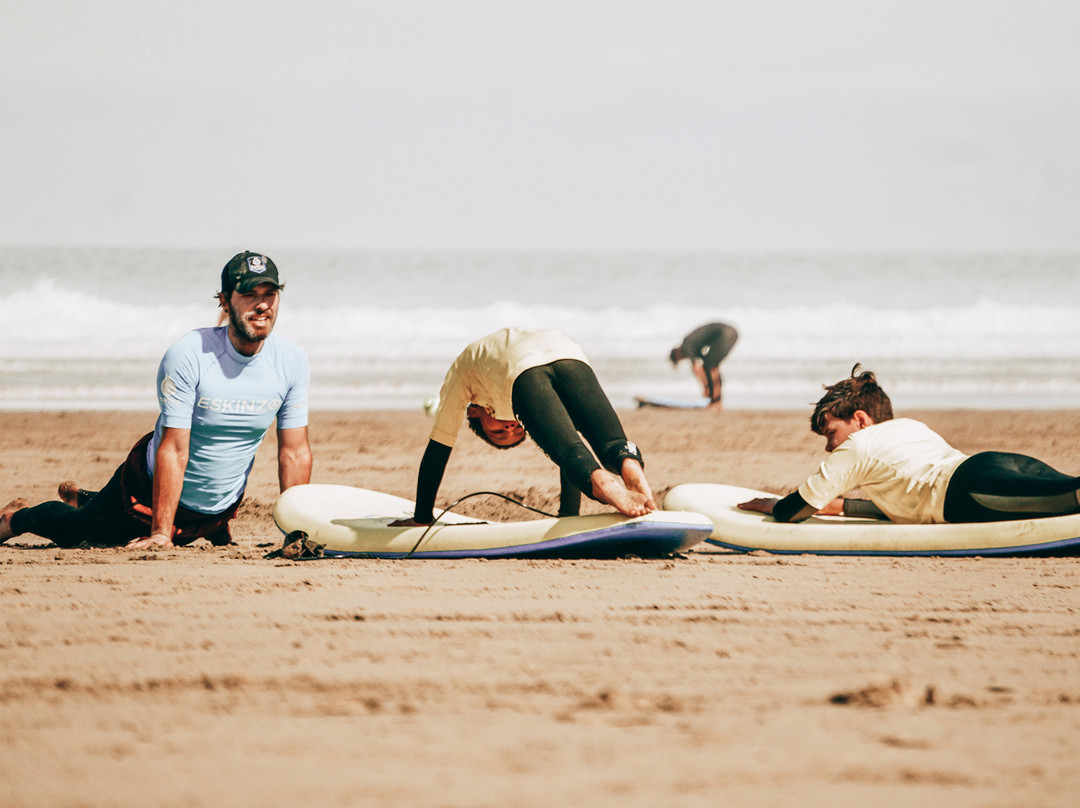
244, 329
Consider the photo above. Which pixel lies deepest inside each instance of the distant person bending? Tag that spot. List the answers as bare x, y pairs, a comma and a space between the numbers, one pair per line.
219, 390
517, 381
706, 347
909, 472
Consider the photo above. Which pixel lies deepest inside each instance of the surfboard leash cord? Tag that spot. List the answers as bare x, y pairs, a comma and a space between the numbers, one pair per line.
449, 508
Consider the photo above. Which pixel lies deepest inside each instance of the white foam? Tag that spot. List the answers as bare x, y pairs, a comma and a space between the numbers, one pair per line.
376, 341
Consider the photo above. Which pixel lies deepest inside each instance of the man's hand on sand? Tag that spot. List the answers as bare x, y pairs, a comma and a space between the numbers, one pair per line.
154, 540
761, 505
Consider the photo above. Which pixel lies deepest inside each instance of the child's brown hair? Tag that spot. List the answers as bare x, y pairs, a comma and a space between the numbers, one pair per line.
859, 391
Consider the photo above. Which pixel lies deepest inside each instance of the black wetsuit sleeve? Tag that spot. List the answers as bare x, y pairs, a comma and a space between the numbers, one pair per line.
864, 508
793, 508
428, 480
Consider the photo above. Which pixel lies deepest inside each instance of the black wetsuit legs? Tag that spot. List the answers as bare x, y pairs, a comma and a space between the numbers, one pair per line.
555, 402
101, 521
715, 353
992, 486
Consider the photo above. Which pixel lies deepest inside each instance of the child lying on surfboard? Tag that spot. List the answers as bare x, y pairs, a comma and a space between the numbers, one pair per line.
516, 381
909, 472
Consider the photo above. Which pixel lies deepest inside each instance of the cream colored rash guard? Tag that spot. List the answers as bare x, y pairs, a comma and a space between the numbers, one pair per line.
485, 372
903, 466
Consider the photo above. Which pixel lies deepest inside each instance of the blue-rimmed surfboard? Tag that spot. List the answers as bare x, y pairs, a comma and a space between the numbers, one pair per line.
355, 522
837, 535
672, 402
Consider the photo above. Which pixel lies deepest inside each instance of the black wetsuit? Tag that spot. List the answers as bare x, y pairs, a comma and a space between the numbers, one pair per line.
999, 485
710, 344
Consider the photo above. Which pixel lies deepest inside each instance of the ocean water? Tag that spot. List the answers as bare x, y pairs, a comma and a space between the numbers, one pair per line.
85, 328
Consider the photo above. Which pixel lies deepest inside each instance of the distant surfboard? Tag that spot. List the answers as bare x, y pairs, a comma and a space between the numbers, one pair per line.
837, 535
356, 522
672, 403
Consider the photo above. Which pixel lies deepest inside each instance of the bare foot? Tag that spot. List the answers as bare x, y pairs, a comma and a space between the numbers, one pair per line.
633, 476
609, 489
5, 517
68, 491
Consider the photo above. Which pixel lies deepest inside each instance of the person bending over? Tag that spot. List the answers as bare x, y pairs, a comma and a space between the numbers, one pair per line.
516, 381
706, 347
219, 389
908, 471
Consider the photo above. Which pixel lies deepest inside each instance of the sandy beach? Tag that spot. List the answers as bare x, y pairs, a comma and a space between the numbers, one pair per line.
202, 676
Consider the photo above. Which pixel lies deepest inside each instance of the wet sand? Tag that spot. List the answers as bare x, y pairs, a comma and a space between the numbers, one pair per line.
202, 676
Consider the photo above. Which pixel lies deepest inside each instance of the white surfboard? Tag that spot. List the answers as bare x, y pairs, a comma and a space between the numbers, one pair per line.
356, 522
672, 403
838, 535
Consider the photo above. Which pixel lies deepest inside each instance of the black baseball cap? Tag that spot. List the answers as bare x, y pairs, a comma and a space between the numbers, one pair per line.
247, 270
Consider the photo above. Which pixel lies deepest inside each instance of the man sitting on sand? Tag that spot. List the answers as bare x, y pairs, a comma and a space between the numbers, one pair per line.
909, 472
219, 389
516, 381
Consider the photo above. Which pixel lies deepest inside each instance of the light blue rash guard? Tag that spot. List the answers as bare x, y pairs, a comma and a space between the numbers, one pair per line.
228, 401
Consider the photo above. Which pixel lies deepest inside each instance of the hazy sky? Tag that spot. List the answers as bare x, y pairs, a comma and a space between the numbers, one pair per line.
562, 124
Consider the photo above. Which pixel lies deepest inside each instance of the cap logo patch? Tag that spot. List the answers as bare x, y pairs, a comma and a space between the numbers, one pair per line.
255, 264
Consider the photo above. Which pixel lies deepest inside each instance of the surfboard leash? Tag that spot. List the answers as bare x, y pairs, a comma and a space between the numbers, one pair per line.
457, 502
